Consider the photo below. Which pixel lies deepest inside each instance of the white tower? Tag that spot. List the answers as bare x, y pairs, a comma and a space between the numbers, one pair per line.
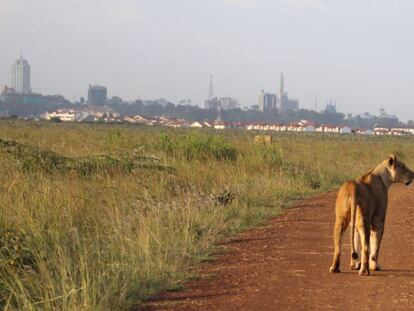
21, 76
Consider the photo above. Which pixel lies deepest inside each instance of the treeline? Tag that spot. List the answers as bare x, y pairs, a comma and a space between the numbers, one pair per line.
195, 113
32, 106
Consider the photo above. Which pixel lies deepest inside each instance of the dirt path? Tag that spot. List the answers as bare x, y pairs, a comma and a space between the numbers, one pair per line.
284, 266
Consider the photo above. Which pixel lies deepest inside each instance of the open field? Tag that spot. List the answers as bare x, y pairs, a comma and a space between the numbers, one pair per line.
101, 217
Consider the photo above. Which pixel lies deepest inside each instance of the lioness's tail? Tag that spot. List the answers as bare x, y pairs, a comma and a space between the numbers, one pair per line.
353, 197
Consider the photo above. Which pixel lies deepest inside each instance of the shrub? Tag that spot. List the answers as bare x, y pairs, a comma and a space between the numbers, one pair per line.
56, 120
197, 146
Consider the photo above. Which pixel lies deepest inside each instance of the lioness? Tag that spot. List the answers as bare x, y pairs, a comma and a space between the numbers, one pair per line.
363, 203
263, 139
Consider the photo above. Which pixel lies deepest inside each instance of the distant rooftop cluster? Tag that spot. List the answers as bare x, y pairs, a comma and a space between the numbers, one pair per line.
105, 114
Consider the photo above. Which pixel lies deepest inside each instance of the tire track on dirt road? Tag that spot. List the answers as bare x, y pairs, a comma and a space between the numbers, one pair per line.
284, 265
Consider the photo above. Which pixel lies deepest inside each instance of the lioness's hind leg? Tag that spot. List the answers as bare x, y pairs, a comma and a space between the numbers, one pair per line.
377, 231
364, 232
340, 227
355, 262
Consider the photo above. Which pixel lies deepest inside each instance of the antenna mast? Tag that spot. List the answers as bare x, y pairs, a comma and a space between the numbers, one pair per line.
211, 88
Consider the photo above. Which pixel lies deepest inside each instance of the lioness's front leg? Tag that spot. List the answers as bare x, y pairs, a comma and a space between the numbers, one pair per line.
377, 230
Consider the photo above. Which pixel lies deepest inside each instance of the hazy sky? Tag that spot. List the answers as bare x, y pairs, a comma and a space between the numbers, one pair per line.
357, 52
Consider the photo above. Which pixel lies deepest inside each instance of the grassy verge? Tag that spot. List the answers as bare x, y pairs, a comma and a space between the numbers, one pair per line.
100, 217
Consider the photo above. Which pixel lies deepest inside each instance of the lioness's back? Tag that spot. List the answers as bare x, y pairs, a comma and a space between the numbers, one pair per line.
348, 188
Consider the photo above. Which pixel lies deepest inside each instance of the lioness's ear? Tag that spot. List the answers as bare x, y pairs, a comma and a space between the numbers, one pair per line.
392, 159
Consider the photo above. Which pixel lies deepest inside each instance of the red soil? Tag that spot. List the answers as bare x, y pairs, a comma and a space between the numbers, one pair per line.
284, 266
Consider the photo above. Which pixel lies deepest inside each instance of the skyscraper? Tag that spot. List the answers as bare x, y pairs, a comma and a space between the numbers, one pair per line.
283, 98
97, 95
21, 76
267, 102
285, 103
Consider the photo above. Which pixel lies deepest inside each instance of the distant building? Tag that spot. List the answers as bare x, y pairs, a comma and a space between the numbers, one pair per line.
157, 102
367, 116
330, 107
201, 124
97, 95
115, 100
224, 103
211, 88
364, 132
267, 101
136, 119
227, 103
65, 115
21, 76
384, 115
219, 124
185, 102
8, 91
345, 130
285, 103
161, 102
213, 102
290, 104
90, 114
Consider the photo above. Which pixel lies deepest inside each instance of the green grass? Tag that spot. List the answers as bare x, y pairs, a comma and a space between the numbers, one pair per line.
101, 217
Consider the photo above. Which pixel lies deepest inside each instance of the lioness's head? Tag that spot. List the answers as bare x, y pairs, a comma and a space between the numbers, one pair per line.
399, 172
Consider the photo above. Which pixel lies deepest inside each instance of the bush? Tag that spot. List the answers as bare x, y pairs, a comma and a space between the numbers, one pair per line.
56, 120
197, 146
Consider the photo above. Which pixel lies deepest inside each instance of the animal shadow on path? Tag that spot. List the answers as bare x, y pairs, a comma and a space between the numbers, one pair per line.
400, 273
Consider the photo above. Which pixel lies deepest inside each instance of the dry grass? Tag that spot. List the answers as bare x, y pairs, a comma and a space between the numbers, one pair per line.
98, 217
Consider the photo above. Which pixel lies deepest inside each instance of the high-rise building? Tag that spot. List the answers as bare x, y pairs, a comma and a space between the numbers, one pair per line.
267, 102
283, 98
97, 95
284, 102
21, 76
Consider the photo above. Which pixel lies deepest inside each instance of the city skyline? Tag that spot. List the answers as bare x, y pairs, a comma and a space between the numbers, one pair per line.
357, 53
268, 102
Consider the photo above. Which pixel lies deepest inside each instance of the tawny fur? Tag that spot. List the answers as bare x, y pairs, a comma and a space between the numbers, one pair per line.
263, 139
363, 204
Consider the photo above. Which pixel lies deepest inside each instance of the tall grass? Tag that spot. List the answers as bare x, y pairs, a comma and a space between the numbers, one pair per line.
99, 217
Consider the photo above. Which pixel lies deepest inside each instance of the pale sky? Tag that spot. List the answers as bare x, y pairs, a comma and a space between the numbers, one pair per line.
357, 52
